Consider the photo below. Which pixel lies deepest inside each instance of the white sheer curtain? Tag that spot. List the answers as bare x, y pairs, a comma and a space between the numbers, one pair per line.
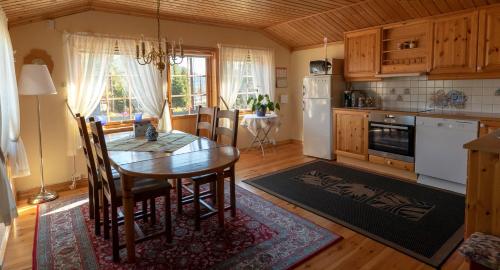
262, 70
10, 143
233, 61
87, 61
148, 85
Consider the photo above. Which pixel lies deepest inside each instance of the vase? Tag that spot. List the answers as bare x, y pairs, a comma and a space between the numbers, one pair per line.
151, 133
261, 112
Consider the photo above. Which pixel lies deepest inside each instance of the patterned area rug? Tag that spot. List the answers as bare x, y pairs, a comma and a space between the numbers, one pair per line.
262, 236
423, 222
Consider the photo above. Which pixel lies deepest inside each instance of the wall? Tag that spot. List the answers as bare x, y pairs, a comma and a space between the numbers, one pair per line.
58, 166
417, 92
299, 63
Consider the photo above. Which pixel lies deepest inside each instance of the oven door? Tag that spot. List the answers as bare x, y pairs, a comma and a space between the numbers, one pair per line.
392, 140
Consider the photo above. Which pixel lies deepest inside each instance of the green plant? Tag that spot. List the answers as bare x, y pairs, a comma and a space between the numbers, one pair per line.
262, 101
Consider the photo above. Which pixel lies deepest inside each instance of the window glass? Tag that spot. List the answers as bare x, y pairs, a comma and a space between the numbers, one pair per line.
189, 85
117, 102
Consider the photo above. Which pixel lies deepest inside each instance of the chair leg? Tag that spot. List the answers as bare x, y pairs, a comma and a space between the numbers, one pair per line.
179, 196
145, 210
152, 208
114, 233
196, 202
91, 200
105, 206
168, 218
97, 214
232, 193
212, 191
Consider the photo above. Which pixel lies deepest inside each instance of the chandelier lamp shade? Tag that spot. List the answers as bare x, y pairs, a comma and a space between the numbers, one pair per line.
35, 80
166, 52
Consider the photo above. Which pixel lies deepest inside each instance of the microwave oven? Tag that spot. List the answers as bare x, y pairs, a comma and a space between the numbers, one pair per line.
327, 66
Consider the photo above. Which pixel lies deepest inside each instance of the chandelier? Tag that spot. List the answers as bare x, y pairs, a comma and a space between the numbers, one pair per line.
165, 53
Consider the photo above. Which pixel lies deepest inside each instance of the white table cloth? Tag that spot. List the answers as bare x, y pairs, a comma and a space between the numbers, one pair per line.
260, 127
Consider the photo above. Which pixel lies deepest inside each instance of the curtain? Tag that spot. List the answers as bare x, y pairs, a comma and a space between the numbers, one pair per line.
233, 66
148, 85
232, 63
87, 60
11, 144
262, 70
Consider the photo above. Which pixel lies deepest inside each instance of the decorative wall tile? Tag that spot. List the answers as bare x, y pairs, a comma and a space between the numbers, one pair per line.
416, 92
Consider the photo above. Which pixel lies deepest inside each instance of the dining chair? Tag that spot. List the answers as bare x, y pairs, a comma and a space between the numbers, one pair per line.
143, 190
205, 120
221, 135
94, 183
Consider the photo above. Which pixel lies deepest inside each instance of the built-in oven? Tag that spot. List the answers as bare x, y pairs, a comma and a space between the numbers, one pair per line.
392, 136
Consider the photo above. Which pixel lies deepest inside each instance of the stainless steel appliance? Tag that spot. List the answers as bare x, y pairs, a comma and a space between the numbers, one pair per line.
326, 66
392, 136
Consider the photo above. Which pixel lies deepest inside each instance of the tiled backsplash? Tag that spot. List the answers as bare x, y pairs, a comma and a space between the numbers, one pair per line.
416, 92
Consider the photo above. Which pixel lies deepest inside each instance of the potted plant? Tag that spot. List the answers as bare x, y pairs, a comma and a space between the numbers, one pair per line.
261, 104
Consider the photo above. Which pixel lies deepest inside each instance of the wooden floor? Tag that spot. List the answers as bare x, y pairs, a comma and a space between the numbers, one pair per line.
355, 251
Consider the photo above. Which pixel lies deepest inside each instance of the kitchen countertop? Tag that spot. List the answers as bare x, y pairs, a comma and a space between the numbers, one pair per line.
432, 113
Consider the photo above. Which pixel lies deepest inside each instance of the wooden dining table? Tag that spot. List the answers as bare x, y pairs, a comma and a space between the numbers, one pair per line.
200, 157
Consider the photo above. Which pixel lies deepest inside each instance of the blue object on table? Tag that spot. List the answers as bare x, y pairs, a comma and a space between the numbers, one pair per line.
151, 133
102, 119
138, 117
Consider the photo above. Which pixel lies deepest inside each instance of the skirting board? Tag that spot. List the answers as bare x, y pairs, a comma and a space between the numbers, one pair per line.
288, 141
64, 186
3, 244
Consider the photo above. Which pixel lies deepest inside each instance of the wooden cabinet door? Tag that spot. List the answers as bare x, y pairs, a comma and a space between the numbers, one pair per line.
362, 54
455, 44
351, 134
489, 40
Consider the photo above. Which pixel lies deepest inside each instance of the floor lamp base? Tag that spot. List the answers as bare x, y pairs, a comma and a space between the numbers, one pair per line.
43, 197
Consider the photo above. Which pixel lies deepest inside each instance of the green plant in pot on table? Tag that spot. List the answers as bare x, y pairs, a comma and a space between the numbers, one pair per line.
261, 104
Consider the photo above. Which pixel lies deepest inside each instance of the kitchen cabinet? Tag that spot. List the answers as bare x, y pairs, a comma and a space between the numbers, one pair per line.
487, 127
397, 164
362, 55
488, 58
455, 44
351, 134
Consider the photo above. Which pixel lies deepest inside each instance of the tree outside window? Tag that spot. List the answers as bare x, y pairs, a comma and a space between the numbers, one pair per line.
189, 85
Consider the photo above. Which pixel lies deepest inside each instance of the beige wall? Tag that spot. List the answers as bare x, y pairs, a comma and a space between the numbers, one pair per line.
58, 166
299, 63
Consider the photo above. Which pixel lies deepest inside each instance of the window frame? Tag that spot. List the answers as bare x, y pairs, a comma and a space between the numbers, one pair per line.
212, 82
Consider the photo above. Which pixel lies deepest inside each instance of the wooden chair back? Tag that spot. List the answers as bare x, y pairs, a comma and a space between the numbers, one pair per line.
230, 134
202, 123
87, 148
102, 159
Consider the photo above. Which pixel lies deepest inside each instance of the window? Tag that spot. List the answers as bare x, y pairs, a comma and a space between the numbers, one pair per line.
189, 84
117, 103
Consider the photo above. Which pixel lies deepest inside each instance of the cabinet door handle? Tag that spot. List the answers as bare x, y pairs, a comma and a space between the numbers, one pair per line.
389, 162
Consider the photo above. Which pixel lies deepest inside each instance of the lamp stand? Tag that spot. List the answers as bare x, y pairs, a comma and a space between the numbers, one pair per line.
44, 195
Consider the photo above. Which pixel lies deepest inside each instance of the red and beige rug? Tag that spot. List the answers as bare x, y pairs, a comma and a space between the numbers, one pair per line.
261, 236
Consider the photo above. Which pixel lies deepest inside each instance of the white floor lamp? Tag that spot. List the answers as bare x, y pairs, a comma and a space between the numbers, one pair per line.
35, 80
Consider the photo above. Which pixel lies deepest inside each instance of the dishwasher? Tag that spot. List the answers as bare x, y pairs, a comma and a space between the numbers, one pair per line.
440, 159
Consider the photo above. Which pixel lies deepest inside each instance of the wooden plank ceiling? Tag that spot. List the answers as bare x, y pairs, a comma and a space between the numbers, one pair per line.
297, 23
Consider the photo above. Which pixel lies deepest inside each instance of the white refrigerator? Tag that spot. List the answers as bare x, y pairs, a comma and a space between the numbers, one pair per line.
320, 93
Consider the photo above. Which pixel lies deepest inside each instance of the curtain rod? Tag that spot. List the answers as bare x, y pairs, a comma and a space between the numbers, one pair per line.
243, 47
112, 36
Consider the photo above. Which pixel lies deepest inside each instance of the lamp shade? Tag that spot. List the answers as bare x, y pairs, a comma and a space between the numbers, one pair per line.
35, 80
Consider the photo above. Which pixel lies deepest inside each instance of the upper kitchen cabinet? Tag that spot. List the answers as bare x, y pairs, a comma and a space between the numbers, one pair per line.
406, 47
362, 55
455, 44
488, 58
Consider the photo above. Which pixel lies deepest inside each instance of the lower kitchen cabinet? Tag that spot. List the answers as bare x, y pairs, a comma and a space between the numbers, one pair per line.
351, 133
397, 164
